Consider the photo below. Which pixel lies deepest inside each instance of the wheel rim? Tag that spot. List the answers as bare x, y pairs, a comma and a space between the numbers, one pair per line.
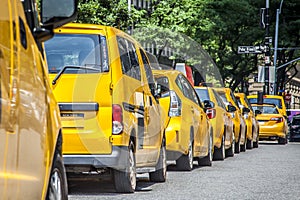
191, 156
55, 190
223, 146
210, 148
233, 143
132, 170
164, 160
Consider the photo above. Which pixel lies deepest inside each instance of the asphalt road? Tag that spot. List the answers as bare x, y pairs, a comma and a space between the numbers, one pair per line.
270, 172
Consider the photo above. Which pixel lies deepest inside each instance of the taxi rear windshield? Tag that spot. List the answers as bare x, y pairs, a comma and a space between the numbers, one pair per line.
274, 101
79, 50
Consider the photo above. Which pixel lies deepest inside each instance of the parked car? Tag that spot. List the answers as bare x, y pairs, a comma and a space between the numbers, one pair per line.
188, 130
111, 117
239, 124
31, 165
221, 121
252, 126
271, 99
272, 124
294, 128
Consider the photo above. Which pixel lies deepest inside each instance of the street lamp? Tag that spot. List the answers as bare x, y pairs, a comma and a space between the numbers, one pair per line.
276, 45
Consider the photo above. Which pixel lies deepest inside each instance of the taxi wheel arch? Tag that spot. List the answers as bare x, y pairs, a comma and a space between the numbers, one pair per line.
125, 179
57, 186
185, 162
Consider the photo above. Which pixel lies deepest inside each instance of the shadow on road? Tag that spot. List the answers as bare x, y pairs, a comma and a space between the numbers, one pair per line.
97, 186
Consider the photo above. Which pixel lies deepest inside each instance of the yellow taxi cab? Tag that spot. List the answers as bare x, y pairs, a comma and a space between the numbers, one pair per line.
252, 126
188, 130
271, 99
239, 124
31, 165
111, 118
272, 124
222, 124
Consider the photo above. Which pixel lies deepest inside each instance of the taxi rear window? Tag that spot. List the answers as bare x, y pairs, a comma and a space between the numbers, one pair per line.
81, 50
274, 101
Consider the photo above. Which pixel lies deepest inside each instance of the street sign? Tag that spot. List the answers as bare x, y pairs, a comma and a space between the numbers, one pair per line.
256, 87
250, 49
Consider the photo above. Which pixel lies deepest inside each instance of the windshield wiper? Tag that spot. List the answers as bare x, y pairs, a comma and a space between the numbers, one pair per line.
71, 67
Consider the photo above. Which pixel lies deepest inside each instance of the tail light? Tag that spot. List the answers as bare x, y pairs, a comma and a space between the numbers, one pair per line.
175, 105
277, 119
117, 119
211, 113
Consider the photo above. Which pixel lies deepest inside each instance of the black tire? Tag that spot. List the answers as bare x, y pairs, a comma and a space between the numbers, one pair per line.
237, 147
125, 180
255, 144
282, 140
207, 160
160, 173
243, 146
230, 152
57, 187
185, 162
249, 144
219, 153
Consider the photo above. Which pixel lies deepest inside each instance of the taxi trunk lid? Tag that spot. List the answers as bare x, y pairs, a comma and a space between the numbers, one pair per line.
85, 105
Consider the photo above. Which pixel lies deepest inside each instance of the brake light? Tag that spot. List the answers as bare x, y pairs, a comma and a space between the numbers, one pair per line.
117, 119
175, 105
211, 113
277, 119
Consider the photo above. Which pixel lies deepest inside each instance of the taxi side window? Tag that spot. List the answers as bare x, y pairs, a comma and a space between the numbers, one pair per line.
129, 59
187, 89
148, 70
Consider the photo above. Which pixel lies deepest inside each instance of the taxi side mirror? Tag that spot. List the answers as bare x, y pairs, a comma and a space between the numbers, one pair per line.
231, 108
245, 110
257, 112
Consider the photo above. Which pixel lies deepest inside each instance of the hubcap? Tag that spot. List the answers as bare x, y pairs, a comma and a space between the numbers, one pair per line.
132, 170
55, 190
191, 156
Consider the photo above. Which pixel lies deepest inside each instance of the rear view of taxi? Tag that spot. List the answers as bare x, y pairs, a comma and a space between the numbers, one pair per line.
221, 121
272, 124
111, 118
188, 130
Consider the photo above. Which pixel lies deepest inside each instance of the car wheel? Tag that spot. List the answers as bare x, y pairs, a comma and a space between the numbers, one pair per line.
160, 173
255, 144
207, 160
243, 146
281, 140
219, 153
249, 144
57, 188
185, 162
230, 152
237, 147
125, 180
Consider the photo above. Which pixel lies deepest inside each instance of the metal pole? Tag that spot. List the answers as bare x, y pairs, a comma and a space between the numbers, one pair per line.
278, 11
267, 52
